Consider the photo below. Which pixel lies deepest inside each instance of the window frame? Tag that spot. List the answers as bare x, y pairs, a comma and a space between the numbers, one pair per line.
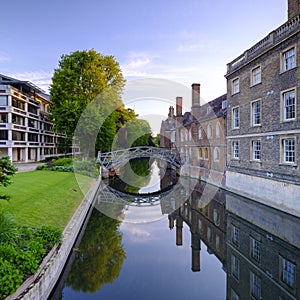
236, 119
253, 115
285, 275
235, 86
235, 270
254, 151
255, 249
254, 287
283, 153
235, 143
253, 82
283, 105
235, 235
283, 59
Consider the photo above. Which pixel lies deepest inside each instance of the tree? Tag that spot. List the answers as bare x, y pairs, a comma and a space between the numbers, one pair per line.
7, 170
79, 79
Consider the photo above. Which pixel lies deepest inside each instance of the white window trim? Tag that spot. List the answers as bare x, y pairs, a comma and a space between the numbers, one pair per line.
252, 158
282, 68
282, 154
252, 115
283, 119
252, 83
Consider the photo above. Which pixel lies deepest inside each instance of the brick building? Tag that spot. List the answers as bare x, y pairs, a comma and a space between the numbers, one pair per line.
199, 135
26, 133
263, 117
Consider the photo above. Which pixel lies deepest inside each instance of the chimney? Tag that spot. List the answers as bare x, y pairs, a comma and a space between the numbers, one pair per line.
178, 106
293, 8
196, 100
171, 112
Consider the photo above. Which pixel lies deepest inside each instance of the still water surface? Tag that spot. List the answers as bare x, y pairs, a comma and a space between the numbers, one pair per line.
217, 247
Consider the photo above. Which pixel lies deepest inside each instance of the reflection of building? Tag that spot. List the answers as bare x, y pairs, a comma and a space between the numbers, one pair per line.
199, 135
25, 128
207, 223
264, 116
263, 256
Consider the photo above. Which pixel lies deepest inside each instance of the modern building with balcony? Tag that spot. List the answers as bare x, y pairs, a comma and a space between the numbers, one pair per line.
26, 132
263, 117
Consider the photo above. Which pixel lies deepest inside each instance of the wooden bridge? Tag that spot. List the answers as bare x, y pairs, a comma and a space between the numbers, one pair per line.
111, 160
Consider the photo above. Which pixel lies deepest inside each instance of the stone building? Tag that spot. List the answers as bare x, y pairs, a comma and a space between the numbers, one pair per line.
199, 135
26, 133
263, 256
263, 117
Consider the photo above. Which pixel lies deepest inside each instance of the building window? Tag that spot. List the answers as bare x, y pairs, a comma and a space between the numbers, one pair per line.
3, 135
255, 249
235, 235
289, 105
200, 152
236, 117
256, 150
200, 133
235, 150
235, 266
3, 100
288, 59
3, 118
16, 119
288, 272
209, 235
216, 154
205, 153
218, 130
235, 86
256, 113
255, 286
288, 150
234, 295
209, 131
256, 76
173, 136
224, 104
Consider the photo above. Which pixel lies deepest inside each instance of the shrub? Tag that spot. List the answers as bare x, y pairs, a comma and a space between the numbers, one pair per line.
65, 162
10, 278
9, 231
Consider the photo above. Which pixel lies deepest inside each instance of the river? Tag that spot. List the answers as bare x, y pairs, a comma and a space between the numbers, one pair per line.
194, 241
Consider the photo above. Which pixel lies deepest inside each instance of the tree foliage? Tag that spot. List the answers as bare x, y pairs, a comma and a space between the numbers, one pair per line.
80, 77
7, 170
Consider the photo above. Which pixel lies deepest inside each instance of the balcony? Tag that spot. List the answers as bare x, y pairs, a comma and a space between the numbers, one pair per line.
292, 26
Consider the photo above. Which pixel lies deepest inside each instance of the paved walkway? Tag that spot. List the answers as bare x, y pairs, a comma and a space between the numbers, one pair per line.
26, 167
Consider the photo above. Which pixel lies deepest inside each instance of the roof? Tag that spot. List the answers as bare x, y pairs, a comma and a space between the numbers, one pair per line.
27, 85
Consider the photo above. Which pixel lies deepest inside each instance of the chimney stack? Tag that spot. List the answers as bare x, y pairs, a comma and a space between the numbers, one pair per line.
178, 106
293, 8
196, 100
171, 112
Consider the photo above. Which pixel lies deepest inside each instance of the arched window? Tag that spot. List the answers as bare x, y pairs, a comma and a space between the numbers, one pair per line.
200, 133
200, 152
218, 130
205, 153
209, 131
216, 154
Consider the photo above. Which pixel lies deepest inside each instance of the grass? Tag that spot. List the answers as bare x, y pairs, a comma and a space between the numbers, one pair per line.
43, 197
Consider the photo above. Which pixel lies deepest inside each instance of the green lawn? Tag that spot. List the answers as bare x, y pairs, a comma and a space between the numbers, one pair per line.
43, 197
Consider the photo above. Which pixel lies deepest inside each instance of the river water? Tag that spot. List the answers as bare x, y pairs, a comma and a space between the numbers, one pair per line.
194, 241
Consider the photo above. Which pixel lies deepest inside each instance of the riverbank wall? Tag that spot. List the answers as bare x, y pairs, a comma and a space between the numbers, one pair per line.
40, 285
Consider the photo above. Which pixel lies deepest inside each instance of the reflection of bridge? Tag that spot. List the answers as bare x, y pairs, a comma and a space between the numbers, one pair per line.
111, 160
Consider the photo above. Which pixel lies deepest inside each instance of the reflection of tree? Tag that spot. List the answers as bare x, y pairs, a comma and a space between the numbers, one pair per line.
100, 255
134, 175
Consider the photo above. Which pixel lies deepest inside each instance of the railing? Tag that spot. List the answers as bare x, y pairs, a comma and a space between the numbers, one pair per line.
113, 159
266, 43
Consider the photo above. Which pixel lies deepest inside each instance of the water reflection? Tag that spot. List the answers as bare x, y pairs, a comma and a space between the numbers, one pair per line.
221, 246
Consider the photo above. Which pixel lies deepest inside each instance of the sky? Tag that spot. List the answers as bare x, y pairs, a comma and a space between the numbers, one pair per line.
185, 42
